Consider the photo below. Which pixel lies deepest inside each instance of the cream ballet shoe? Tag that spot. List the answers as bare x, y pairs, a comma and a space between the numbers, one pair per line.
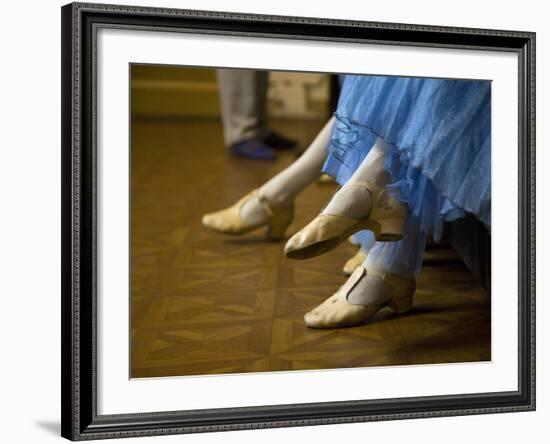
386, 220
325, 178
336, 311
355, 261
230, 221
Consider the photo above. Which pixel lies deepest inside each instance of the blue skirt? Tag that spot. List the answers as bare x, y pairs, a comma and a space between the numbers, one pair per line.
438, 134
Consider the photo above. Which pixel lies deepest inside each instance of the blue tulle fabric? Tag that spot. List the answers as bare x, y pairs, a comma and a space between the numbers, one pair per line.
438, 138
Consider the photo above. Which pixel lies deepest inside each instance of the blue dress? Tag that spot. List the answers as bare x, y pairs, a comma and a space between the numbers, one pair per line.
438, 133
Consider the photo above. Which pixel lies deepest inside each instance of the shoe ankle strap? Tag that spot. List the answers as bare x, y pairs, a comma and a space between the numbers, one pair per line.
377, 274
371, 186
389, 277
264, 203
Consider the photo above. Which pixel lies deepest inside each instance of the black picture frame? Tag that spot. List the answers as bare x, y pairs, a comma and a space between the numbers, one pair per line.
80, 420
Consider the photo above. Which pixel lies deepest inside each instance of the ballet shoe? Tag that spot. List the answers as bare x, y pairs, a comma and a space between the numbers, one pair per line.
386, 220
230, 221
336, 311
326, 179
355, 261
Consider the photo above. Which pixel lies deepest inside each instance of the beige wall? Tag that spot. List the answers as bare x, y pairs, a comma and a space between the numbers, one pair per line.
188, 92
294, 94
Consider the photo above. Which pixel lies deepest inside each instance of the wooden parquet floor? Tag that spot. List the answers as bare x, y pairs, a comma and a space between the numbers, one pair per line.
205, 303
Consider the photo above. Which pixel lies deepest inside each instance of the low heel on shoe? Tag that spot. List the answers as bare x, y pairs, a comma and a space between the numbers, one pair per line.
391, 229
276, 231
401, 304
277, 227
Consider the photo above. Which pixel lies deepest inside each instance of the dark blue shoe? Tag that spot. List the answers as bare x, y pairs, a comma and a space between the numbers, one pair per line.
253, 149
279, 142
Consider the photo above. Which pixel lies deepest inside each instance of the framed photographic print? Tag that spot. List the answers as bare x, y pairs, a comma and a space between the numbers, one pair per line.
275, 221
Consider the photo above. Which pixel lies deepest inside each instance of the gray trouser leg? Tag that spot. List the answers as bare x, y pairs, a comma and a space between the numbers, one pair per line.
243, 101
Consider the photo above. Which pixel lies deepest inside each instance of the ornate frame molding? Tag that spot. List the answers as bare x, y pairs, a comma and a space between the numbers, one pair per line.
80, 420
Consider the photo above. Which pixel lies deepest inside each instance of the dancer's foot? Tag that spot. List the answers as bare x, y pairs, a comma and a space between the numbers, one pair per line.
259, 212
361, 297
356, 206
355, 261
253, 149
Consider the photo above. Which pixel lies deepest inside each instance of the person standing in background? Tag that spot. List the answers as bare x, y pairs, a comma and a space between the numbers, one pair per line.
243, 94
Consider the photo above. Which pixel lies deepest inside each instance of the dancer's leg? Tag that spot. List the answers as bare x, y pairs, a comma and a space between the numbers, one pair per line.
403, 258
355, 202
281, 190
362, 203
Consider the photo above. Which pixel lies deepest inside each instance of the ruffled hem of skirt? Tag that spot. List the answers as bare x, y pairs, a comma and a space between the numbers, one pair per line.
428, 206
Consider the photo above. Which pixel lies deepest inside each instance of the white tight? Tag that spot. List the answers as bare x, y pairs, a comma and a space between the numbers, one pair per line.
282, 189
355, 202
